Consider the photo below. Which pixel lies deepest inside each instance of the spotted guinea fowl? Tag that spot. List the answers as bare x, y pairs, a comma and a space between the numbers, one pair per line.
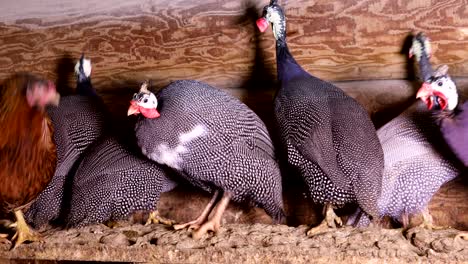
328, 136
28, 153
417, 161
440, 95
214, 141
114, 181
79, 121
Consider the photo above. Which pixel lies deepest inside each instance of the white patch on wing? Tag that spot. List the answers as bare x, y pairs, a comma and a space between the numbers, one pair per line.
197, 131
171, 156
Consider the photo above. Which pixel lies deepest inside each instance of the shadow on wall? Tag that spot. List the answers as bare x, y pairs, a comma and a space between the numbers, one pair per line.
260, 86
384, 116
65, 70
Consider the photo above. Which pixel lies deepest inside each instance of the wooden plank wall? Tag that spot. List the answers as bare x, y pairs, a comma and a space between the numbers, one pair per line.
216, 41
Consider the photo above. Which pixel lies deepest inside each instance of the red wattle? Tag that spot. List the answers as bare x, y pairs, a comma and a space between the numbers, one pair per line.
149, 113
262, 24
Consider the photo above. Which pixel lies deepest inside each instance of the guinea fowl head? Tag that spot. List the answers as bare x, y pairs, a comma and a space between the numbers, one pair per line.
420, 46
144, 102
83, 66
440, 91
273, 14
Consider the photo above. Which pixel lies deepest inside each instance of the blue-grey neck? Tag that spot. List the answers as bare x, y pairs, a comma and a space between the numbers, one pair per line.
425, 67
287, 66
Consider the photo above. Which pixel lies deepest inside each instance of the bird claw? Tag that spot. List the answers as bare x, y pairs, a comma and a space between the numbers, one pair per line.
330, 222
6, 223
205, 229
428, 222
25, 234
463, 236
192, 225
321, 228
430, 226
155, 218
338, 221
23, 231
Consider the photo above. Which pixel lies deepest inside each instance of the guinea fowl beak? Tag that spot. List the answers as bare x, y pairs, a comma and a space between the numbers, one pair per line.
426, 93
410, 53
133, 109
262, 24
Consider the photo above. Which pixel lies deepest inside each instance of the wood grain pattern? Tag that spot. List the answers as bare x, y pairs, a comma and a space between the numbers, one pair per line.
217, 42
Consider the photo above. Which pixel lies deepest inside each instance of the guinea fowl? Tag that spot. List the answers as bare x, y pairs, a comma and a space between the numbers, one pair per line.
417, 161
214, 141
328, 136
112, 183
440, 94
27, 150
78, 121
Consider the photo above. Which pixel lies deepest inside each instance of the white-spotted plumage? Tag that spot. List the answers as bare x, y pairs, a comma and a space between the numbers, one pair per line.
327, 136
112, 182
78, 121
417, 162
214, 141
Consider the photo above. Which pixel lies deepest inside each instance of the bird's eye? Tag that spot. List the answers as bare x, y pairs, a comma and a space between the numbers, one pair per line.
135, 96
439, 83
145, 101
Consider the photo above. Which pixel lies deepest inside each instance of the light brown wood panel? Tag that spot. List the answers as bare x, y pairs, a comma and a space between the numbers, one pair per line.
217, 42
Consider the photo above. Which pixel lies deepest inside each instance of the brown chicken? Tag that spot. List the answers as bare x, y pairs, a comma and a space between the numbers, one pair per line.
27, 150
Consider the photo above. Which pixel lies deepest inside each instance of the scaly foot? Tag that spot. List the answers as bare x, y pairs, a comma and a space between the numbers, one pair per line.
214, 223
428, 222
23, 231
330, 222
205, 228
195, 224
4, 239
155, 218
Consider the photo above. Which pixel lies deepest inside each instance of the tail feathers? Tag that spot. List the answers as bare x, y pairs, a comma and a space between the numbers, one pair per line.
83, 81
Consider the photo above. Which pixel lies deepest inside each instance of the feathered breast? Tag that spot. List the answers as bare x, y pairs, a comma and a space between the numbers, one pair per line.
27, 155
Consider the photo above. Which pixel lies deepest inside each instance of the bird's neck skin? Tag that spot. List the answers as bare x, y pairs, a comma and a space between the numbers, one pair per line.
287, 66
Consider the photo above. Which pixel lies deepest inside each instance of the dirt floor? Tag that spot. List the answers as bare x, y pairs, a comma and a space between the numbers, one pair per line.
239, 243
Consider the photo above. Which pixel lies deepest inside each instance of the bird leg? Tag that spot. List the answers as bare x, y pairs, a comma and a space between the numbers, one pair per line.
330, 221
195, 224
214, 222
428, 222
155, 218
23, 231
